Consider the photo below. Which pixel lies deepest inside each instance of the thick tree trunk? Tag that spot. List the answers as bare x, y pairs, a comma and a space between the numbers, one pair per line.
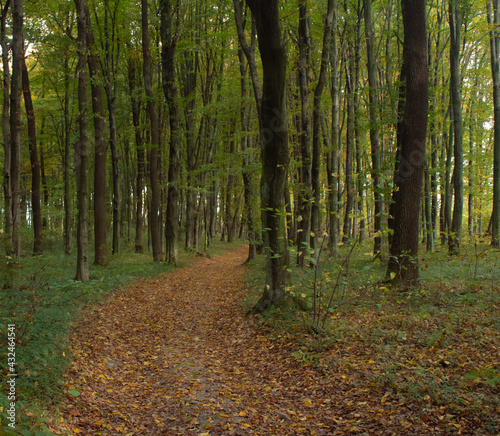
458, 183
495, 70
274, 150
152, 111
82, 149
15, 122
412, 130
35, 165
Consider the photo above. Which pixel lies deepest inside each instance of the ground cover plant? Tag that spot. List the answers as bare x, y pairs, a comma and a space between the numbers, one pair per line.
436, 348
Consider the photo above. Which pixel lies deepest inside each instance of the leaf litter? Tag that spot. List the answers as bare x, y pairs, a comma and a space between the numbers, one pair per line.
175, 355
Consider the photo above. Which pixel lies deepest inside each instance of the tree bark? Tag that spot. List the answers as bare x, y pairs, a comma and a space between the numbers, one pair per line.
332, 155
15, 122
141, 158
152, 111
35, 165
82, 148
99, 115
305, 191
412, 130
170, 36
7, 186
376, 170
67, 226
316, 125
274, 150
456, 101
493, 21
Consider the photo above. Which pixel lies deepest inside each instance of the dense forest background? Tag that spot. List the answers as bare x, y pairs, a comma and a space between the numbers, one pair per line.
138, 124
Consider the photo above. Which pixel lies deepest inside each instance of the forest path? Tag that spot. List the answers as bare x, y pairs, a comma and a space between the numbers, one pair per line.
175, 355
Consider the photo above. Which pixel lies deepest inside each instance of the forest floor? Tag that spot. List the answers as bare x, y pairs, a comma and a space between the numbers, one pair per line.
176, 355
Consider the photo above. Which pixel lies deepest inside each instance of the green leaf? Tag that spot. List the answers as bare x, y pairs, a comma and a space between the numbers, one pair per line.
74, 392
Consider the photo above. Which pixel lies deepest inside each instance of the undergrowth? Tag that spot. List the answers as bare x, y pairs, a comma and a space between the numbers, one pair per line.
436, 347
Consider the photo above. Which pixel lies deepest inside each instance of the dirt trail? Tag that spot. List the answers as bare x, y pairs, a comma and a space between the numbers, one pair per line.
175, 355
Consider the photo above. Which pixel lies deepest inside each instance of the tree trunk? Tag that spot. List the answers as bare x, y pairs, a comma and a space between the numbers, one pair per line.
67, 159
99, 115
332, 155
274, 150
152, 111
15, 121
141, 158
458, 183
170, 37
109, 68
7, 182
349, 144
305, 192
316, 133
495, 70
376, 170
35, 165
412, 130
82, 149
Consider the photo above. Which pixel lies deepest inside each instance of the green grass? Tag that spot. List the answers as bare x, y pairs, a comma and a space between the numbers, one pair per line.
44, 302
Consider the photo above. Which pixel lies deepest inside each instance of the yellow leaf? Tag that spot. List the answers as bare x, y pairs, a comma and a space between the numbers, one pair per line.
312, 235
371, 362
308, 402
393, 274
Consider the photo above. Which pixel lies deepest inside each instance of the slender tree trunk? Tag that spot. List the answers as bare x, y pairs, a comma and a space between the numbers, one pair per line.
15, 121
109, 67
495, 70
274, 150
99, 115
246, 160
141, 158
332, 156
316, 125
373, 107
67, 160
305, 192
170, 36
82, 149
152, 111
35, 165
412, 130
7, 182
349, 145
456, 101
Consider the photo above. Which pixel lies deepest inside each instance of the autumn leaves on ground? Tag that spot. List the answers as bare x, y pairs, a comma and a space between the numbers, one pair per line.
176, 355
